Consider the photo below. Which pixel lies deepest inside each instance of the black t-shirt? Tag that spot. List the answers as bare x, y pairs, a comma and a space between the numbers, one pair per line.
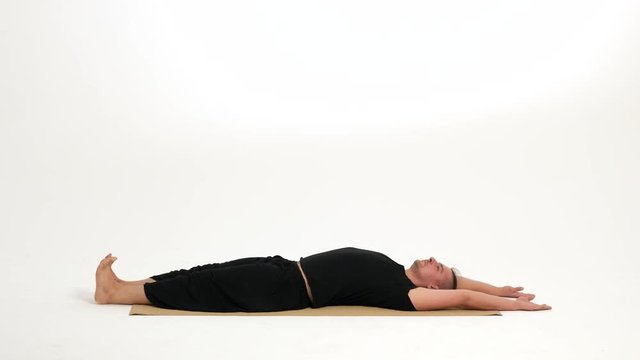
352, 276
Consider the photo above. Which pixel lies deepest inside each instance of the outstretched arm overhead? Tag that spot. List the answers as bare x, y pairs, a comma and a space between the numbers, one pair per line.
481, 301
506, 291
434, 299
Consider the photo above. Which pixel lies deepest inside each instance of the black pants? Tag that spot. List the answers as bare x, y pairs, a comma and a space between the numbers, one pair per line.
252, 284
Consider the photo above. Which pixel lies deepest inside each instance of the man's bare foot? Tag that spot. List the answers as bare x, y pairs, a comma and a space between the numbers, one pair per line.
124, 282
106, 281
113, 258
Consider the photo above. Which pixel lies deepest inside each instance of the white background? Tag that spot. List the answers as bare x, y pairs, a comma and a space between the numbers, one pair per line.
501, 137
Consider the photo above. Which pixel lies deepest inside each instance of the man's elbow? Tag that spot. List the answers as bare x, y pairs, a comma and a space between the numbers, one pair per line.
463, 298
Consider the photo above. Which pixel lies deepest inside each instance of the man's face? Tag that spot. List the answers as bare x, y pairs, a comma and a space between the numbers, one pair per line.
433, 274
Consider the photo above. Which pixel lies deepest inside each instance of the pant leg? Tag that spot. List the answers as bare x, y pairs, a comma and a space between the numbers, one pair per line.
268, 284
174, 273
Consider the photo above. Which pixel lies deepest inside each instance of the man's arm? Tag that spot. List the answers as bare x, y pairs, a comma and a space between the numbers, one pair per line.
432, 299
506, 291
480, 301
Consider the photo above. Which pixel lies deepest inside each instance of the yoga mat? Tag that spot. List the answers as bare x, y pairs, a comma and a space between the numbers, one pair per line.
323, 311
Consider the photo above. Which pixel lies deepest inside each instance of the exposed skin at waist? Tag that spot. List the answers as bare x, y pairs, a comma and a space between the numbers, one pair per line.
306, 283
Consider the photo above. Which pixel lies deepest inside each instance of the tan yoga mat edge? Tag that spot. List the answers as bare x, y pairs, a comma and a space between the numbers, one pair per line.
323, 311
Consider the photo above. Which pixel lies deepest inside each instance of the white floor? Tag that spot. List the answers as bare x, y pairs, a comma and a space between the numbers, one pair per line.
172, 139
48, 313
577, 254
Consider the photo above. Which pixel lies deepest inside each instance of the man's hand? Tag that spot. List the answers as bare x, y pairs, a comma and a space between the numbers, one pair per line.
523, 303
515, 292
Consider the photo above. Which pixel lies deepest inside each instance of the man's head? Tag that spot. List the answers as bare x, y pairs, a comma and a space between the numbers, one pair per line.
431, 274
